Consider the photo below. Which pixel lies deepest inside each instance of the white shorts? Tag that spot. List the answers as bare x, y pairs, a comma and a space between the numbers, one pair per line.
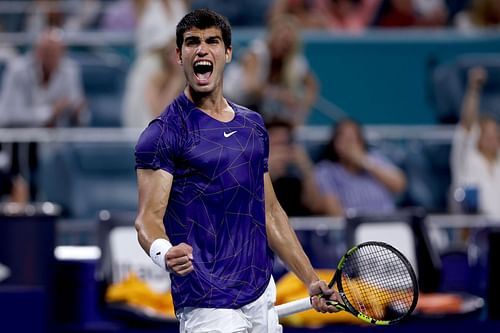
256, 317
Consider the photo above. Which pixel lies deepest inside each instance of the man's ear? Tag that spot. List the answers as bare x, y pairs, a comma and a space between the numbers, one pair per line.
229, 54
179, 55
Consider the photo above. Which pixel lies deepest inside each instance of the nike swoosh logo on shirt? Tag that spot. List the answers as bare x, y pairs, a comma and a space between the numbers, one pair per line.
227, 135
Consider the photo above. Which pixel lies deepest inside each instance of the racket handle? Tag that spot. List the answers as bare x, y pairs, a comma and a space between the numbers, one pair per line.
293, 307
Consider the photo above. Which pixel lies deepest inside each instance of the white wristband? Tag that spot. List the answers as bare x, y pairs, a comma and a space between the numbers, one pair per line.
158, 250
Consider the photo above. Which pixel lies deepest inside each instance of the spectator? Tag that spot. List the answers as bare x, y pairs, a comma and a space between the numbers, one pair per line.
71, 15
166, 84
481, 15
352, 179
43, 88
274, 77
292, 172
412, 13
155, 30
347, 15
40, 89
335, 15
475, 158
303, 10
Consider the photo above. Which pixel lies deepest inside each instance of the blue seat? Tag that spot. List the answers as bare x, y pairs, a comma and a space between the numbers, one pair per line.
85, 178
103, 78
449, 82
428, 174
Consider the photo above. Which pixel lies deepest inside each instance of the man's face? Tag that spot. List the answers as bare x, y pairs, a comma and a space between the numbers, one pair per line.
49, 53
203, 56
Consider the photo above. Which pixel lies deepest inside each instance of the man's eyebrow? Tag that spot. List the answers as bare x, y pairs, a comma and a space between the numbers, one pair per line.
192, 38
214, 38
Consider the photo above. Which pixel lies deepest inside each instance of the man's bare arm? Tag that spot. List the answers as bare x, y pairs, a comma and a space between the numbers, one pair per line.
154, 191
283, 241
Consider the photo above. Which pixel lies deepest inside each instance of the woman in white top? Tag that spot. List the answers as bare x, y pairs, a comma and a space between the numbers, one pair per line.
273, 77
475, 157
154, 33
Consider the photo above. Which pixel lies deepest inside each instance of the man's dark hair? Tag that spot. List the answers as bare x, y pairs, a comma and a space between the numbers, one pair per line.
203, 19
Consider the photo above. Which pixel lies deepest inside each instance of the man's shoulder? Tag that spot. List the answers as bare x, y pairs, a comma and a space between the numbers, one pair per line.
21, 63
174, 111
248, 113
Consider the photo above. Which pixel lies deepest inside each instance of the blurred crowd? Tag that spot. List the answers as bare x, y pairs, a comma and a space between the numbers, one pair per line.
42, 87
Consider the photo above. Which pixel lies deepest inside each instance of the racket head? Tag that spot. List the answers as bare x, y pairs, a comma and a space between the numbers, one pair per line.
377, 283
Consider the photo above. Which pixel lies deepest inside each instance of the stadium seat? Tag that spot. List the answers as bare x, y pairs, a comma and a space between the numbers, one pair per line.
449, 83
428, 175
103, 78
87, 177
12, 21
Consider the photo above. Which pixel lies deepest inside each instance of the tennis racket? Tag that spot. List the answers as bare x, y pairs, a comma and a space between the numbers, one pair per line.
376, 283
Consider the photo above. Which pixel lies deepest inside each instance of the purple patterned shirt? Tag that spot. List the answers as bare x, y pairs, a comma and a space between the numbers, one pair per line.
216, 203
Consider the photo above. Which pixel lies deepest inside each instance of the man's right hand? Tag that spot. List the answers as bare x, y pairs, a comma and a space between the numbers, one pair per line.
179, 259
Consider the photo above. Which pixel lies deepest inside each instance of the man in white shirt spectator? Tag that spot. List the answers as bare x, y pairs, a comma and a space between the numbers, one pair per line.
43, 88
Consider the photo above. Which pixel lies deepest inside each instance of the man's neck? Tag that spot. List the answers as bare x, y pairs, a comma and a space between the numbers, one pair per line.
214, 103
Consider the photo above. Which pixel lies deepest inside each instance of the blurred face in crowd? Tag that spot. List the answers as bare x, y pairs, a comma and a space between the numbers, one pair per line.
489, 140
203, 56
283, 37
348, 138
49, 51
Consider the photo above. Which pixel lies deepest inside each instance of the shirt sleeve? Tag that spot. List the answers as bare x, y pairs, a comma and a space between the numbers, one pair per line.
157, 147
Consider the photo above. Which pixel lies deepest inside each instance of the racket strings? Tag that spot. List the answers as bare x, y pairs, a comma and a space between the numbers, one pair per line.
378, 283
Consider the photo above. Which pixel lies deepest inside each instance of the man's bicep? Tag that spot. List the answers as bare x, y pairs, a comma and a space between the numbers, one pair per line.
154, 189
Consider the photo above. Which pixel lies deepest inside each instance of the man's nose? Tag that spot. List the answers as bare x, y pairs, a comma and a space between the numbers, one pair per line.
202, 50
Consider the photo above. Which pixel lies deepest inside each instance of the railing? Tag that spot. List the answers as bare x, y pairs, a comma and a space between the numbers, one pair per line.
304, 133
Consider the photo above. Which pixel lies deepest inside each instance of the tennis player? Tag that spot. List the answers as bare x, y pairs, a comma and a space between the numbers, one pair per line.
207, 209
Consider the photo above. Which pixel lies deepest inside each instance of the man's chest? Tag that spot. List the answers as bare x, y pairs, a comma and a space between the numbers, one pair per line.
218, 149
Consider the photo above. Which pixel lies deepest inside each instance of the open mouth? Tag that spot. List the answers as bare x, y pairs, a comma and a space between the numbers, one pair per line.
203, 70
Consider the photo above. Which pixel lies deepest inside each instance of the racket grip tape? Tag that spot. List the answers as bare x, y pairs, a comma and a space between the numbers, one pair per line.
293, 307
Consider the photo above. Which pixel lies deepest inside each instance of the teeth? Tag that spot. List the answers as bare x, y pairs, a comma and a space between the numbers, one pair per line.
203, 63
